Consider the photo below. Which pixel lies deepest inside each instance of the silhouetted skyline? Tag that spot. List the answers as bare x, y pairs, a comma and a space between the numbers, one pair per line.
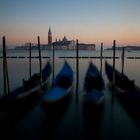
90, 21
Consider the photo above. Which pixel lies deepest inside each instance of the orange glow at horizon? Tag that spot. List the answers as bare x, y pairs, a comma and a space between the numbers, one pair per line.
122, 37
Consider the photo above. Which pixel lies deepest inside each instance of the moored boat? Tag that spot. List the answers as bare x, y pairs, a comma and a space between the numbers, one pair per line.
93, 101
93, 85
127, 93
124, 88
61, 85
30, 89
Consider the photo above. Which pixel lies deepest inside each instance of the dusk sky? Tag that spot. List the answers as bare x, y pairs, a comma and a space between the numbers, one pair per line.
90, 21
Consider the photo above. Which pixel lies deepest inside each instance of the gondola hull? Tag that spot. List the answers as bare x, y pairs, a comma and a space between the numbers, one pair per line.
30, 90
93, 85
128, 94
124, 88
61, 86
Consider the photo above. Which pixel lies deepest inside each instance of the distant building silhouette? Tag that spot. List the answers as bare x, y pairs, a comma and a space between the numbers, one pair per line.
49, 37
64, 44
83, 46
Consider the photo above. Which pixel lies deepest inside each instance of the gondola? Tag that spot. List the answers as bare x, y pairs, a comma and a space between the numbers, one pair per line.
61, 86
93, 85
126, 92
30, 89
124, 88
93, 101
35, 79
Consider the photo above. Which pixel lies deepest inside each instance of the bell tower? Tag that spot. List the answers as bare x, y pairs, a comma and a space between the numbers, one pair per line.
49, 37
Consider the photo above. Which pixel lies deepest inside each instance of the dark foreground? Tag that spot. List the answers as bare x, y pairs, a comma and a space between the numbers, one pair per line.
70, 121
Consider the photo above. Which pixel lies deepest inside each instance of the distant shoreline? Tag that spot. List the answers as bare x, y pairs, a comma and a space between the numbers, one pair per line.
128, 48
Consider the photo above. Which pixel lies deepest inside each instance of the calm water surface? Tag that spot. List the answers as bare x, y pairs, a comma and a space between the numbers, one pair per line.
114, 121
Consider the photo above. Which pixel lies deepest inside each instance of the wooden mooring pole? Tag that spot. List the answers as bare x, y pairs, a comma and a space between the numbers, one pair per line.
40, 62
123, 55
101, 58
77, 70
5, 69
53, 63
30, 72
113, 74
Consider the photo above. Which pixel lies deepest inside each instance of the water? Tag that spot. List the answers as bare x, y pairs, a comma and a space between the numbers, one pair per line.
114, 121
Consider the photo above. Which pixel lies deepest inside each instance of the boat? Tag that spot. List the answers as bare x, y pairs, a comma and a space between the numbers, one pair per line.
124, 88
122, 82
93, 101
30, 89
126, 92
93, 85
61, 86
35, 79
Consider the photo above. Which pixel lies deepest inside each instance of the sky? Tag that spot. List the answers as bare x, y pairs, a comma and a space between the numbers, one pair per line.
89, 21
